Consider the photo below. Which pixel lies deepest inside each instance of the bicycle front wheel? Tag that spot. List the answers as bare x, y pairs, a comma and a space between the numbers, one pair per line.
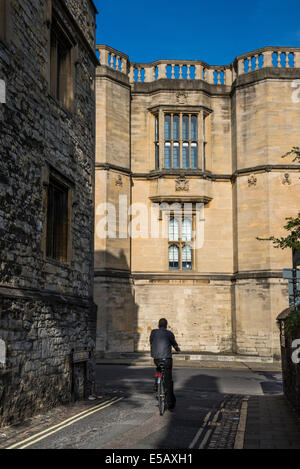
161, 398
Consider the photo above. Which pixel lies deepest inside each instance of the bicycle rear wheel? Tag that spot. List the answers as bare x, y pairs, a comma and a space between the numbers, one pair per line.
161, 398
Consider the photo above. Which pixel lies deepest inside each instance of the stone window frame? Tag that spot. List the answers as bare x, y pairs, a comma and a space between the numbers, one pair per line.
5, 20
158, 132
51, 174
165, 216
56, 23
181, 243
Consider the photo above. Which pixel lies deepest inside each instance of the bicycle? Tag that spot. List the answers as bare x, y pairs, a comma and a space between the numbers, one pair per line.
161, 393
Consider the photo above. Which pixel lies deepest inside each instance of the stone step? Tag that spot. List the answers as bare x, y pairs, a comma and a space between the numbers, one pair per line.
145, 357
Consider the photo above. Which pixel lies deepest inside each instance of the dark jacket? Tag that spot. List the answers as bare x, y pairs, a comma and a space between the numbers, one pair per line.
161, 341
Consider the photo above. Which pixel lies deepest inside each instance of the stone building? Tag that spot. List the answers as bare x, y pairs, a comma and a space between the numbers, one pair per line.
47, 128
211, 137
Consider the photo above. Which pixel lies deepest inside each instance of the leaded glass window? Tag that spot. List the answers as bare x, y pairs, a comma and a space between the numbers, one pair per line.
186, 258
180, 243
173, 257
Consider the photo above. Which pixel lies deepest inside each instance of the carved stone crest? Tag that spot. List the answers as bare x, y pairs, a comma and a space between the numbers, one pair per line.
181, 98
119, 181
182, 184
286, 179
252, 180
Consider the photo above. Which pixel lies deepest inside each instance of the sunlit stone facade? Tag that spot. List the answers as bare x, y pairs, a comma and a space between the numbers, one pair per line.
211, 137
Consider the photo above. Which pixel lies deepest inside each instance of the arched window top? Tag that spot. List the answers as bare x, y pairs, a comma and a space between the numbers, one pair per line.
173, 230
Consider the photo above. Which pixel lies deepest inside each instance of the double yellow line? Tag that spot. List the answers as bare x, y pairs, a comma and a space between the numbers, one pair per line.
32, 440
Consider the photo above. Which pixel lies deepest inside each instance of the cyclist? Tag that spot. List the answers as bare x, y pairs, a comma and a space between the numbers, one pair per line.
162, 341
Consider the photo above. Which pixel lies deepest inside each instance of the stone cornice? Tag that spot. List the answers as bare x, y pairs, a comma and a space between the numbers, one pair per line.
231, 277
195, 173
112, 167
265, 74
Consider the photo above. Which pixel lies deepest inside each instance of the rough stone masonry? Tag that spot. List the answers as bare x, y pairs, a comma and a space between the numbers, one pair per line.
47, 62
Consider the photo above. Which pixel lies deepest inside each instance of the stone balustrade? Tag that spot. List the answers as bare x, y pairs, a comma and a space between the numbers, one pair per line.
277, 57
180, 70
113, 58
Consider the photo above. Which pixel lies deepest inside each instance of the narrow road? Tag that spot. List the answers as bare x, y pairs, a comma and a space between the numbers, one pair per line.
207, 413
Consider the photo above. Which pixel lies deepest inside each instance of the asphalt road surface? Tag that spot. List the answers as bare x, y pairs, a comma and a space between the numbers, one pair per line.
206, 416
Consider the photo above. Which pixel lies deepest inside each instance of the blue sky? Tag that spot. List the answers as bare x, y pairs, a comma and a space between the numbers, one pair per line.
214, 31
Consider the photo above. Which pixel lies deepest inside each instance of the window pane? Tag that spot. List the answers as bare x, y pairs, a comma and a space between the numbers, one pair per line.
176, 157
173, 230
185, 128
187, 258
157, 156
185, 156
156, 129
167, 127
176, 127
194, 155
187, 230
194, 129
167, 155
173, 257
57, 222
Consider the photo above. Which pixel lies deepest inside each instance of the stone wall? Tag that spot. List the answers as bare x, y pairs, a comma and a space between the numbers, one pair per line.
40, 135
40, 336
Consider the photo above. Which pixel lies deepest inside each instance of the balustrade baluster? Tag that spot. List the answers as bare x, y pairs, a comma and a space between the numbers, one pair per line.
278, 59
180, 72
131, 75
287, 64
173, 71
257, 62
188, 72
124, 66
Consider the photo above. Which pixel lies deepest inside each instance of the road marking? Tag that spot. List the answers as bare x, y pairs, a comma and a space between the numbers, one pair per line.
66, 423
204, 425
205, 439
200, 431
240, 435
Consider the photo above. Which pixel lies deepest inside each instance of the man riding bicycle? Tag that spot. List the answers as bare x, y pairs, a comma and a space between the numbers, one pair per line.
162, 341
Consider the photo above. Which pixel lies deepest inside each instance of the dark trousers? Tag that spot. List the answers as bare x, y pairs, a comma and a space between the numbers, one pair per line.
168, 364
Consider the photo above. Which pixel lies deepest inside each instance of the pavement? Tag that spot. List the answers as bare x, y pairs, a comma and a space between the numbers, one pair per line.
225, 406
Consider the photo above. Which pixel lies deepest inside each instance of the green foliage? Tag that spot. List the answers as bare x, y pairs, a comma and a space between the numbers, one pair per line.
294, 151
292, 322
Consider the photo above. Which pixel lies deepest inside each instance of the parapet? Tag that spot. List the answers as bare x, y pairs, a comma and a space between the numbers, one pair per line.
267, 57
